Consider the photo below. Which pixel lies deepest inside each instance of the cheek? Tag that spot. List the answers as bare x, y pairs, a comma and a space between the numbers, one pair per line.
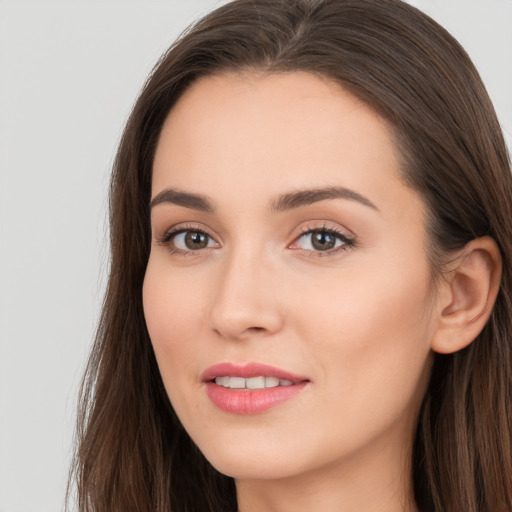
371, 338
172, 310
368, 303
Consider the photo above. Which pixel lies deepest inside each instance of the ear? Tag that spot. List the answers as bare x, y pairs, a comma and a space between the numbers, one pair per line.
468, 296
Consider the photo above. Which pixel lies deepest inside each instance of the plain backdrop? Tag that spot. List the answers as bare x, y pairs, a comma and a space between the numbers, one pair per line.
69, 73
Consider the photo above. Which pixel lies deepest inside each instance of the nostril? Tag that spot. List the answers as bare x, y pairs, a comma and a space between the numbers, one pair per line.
235, 318
247, 332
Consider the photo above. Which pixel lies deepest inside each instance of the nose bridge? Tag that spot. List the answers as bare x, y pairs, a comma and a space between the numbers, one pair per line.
246, 301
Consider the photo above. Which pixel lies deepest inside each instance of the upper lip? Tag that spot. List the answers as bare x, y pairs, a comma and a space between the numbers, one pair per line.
248, 370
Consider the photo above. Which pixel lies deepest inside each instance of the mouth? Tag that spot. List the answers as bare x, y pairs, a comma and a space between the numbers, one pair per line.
250, 389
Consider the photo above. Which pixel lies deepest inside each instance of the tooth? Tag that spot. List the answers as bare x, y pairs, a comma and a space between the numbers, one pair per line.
271, 382
255, 383
222, 381
237, 382
252, 382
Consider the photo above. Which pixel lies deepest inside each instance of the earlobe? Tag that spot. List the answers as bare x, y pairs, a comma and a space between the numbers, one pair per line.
471, 291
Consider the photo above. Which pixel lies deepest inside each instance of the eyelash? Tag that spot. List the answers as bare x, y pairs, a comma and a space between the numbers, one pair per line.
173, 233
348, 242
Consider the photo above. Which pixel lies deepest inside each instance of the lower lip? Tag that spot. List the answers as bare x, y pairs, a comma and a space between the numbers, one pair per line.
251, 401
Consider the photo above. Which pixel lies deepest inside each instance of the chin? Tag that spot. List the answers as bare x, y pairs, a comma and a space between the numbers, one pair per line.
250, 459
254, 469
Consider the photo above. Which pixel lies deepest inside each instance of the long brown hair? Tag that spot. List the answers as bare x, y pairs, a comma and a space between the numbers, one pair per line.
133, 454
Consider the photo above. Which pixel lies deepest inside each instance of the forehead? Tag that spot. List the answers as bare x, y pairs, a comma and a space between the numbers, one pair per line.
255, 135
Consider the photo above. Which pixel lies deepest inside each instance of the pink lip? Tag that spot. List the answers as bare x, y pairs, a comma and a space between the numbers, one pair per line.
250, 401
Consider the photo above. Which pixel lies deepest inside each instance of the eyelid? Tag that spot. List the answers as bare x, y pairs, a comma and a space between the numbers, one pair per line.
348, 239
185, 226
177, 229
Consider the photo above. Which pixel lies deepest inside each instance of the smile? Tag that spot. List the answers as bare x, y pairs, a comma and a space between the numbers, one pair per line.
250, 389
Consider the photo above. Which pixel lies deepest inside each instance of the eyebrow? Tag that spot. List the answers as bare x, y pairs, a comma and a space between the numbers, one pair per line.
193, 201
301, 198
289, 201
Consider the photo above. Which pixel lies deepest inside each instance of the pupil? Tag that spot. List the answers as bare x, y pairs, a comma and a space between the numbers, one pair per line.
196, 240
323, 241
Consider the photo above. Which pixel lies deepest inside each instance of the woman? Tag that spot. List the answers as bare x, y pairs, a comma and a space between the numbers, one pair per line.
309, 299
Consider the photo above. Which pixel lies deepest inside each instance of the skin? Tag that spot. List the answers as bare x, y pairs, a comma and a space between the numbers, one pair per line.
357, 322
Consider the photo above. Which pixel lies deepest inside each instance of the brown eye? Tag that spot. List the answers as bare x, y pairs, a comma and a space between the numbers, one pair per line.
196, 240
190, 240
323, 241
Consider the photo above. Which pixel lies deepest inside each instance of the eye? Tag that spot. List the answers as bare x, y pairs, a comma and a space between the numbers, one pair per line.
192, 240
187, 240
323, 240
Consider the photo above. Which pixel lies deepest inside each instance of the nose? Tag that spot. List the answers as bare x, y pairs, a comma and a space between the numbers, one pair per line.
246, 302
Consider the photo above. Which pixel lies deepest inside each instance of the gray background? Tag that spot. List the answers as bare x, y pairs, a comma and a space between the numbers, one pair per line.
69, 72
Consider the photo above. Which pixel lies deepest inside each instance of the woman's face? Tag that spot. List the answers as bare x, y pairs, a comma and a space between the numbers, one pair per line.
287, 253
